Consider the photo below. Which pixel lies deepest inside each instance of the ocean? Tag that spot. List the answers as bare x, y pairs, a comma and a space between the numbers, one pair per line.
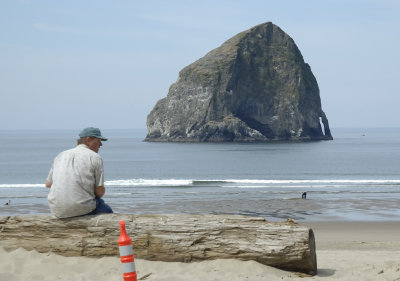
354, 177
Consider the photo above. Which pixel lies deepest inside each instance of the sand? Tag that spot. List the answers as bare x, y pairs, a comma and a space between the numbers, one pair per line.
345, 251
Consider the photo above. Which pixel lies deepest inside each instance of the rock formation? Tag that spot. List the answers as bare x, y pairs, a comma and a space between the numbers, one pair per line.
183, 238
254, 87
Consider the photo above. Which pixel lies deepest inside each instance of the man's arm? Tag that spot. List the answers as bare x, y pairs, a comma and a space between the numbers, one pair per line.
99, 191
49, 179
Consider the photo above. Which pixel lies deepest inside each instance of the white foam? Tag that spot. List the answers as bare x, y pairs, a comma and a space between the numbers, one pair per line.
243, 183
22, 185
146, 182
327, 181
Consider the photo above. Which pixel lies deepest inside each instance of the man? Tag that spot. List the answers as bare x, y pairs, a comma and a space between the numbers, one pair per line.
76, 178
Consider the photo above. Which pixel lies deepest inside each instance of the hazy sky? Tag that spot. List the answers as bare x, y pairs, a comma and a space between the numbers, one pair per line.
72, 64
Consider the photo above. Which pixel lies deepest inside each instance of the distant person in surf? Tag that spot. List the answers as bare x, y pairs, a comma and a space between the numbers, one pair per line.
76, 178
304, 195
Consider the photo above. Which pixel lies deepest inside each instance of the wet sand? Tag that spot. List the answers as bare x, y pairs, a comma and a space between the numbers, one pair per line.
351, 209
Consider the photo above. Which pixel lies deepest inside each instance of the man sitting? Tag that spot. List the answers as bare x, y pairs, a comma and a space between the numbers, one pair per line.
76, 178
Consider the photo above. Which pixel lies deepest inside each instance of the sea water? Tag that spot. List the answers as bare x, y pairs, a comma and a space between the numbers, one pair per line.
354, 177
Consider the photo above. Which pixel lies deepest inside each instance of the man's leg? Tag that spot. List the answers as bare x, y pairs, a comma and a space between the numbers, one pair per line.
102, 207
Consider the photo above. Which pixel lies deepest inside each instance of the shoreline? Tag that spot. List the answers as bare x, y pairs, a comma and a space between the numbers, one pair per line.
275, 209
346, 250
355, 235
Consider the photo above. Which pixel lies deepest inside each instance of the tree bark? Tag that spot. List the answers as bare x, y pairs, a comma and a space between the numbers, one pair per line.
286, 245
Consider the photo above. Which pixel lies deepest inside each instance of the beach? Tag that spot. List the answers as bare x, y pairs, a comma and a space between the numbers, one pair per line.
352, 187
345, 251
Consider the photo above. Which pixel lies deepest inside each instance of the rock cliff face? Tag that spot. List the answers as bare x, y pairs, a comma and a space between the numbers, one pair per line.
254, 87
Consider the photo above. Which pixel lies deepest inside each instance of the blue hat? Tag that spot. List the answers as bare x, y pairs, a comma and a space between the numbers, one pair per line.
92, 132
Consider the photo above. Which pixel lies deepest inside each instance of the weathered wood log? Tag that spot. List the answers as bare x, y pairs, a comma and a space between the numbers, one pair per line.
286, 245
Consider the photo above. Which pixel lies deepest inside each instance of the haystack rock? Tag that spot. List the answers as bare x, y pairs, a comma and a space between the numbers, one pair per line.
254, 87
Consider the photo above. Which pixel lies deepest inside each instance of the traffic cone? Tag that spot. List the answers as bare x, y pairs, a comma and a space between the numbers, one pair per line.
126, 254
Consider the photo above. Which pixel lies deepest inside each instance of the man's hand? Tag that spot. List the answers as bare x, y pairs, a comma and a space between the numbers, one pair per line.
48, 184
99, 191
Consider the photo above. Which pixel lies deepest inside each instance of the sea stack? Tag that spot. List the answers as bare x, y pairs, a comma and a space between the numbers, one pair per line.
255, 87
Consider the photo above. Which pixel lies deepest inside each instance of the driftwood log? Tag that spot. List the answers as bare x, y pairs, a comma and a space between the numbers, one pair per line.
286, 245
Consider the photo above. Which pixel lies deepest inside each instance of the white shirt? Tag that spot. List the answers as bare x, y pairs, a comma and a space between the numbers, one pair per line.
74, 175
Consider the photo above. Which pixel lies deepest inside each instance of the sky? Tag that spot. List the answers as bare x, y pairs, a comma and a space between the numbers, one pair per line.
72, 64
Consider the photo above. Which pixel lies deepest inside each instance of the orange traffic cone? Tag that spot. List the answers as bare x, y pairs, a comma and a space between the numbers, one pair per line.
126, 254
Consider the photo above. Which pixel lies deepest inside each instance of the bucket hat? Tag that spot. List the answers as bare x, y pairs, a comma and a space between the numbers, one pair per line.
92, 132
